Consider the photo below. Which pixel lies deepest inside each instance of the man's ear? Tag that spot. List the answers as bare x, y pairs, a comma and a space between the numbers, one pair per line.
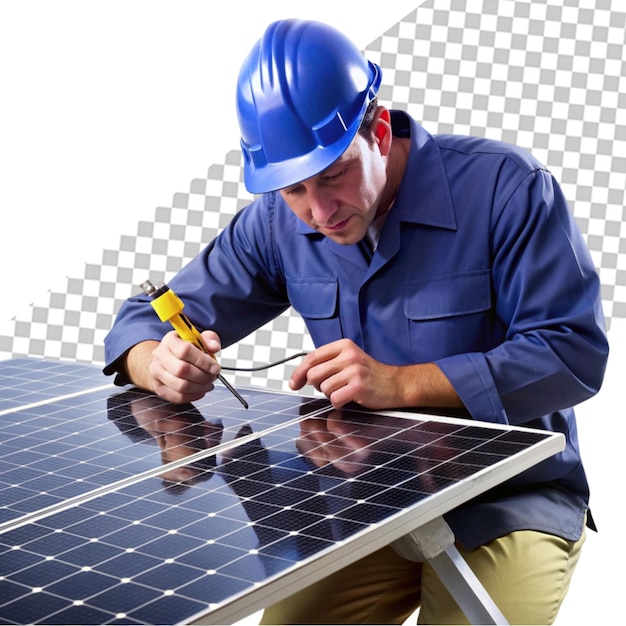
381, 127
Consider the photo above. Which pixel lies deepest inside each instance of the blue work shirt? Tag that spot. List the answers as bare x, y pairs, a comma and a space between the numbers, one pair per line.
480, 268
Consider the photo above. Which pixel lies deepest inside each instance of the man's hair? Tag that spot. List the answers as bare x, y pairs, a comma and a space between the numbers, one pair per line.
366, 123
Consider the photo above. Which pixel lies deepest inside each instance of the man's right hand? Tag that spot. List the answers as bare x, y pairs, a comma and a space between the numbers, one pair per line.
174, 369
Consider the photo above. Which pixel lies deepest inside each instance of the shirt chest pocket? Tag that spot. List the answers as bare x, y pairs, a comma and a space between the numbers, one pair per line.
316, 299
448, 314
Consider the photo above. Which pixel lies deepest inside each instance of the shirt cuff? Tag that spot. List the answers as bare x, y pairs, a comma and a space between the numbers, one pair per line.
471, 378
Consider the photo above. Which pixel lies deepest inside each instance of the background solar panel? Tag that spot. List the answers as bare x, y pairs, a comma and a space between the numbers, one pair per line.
26, 381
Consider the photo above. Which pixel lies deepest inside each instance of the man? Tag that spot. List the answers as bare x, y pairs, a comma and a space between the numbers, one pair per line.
431, 271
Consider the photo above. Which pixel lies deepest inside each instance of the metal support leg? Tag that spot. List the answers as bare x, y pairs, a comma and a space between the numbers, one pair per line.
434, 542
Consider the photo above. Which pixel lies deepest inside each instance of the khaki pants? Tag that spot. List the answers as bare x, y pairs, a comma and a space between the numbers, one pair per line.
527, 574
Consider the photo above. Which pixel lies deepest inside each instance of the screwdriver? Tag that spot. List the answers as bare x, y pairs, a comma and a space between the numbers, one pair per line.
169, 307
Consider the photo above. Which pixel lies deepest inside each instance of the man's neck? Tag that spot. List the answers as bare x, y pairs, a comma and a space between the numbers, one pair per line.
396, 165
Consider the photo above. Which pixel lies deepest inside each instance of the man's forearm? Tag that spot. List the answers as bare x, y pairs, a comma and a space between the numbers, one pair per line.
426, 385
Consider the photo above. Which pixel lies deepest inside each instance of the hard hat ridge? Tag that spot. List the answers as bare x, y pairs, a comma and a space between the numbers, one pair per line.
301, 94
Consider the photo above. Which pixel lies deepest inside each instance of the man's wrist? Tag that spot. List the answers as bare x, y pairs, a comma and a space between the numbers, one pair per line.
136, 364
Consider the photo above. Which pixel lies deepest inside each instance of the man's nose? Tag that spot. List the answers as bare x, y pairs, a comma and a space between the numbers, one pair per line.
323, 206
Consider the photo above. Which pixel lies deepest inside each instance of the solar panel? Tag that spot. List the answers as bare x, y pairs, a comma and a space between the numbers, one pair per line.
118, 507
28, 381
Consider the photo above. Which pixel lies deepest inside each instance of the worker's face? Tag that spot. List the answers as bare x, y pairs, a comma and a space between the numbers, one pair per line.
341, 202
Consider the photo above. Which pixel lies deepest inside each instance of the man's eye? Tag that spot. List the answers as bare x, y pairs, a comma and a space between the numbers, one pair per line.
334, 175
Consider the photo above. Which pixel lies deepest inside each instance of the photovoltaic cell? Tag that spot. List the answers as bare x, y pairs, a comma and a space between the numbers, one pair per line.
121, 508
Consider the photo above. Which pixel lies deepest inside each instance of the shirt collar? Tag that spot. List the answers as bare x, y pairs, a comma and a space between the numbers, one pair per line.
424, 196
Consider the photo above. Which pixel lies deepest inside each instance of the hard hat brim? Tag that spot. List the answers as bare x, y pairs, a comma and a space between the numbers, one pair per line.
276, 176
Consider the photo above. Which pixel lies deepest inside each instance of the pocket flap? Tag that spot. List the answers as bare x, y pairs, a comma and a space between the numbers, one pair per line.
448, 296
315, 298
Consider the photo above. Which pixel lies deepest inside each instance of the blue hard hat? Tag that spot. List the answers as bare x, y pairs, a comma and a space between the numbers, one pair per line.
301, 95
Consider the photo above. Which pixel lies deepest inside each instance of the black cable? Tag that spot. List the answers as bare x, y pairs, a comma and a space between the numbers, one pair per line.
264, 367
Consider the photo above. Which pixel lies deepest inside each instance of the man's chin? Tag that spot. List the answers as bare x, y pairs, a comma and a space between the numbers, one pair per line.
345, 238
344, 241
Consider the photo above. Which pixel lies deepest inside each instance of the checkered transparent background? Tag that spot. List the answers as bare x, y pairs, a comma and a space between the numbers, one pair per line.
546, 75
